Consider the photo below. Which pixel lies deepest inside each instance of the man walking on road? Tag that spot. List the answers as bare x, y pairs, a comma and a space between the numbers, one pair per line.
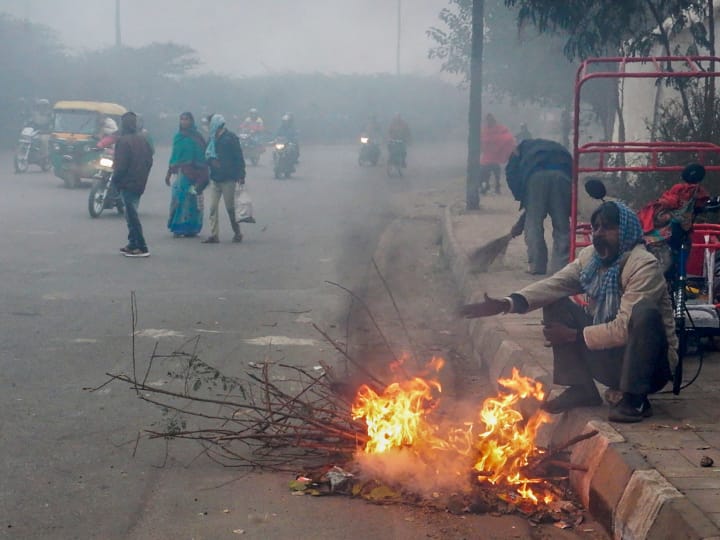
625, 335
227, 169
538, 174
131, 168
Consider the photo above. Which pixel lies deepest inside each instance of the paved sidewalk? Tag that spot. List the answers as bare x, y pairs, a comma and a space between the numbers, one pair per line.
644, 480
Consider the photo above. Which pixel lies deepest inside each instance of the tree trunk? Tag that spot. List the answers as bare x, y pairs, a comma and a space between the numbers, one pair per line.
709, 116
472, 198
619, 107
665, 40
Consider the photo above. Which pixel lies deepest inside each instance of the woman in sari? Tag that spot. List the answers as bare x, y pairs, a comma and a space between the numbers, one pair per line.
187, 161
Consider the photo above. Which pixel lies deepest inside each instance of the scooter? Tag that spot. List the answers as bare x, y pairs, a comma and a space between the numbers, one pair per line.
369, 151
103, 196
31, 150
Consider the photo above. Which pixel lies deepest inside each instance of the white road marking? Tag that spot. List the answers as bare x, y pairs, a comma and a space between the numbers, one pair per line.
157, 333
280, 340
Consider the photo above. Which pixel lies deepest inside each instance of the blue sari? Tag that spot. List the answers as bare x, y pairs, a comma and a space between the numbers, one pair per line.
186, 205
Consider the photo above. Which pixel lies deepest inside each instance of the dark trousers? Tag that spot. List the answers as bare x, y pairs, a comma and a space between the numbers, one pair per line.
640, 367
547, 194
487, 171
135, 232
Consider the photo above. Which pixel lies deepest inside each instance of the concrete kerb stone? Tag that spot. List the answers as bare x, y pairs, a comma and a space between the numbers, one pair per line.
491, 348
632, 500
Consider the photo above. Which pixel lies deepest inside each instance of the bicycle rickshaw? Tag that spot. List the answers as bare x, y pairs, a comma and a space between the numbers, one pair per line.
594, 157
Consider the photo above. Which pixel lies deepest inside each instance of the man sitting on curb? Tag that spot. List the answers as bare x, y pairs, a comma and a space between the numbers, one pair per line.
625, 336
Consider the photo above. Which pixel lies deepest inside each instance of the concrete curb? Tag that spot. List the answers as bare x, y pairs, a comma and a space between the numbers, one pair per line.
632, 500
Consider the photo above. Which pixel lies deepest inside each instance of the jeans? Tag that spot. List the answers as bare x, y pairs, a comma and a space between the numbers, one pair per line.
547, 194
640, 367
135, 232
225, 190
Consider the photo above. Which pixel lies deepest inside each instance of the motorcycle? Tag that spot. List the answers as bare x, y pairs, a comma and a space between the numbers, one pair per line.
284, 157
31, 150
369, 151
396, 158
103, 196
251, 146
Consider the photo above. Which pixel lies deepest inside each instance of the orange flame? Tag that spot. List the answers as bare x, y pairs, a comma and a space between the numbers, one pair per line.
508, 441
399, 417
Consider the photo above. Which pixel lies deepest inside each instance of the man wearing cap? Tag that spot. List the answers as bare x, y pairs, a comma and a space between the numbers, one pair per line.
625, 335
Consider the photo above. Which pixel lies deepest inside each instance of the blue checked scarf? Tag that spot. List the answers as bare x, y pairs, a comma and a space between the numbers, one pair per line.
604, 287
216, 122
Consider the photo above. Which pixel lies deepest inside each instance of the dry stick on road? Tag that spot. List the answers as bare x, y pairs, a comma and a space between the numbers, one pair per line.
411, 343
375, 323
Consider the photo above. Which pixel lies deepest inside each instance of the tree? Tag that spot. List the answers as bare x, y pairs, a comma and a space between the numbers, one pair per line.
629, 28
524, 65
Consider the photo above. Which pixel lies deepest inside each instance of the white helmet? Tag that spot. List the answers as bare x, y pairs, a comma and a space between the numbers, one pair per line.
109, 126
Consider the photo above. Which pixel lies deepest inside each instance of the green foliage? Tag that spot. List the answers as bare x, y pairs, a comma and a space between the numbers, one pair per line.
526, 66
671, 126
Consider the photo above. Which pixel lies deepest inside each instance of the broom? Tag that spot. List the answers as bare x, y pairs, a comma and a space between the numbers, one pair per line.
484, 256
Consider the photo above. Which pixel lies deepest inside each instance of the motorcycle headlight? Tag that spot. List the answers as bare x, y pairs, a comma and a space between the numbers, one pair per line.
280, 146
106, 162
56, 147
364, 140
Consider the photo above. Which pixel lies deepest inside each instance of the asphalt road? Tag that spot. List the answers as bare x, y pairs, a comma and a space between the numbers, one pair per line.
67, 470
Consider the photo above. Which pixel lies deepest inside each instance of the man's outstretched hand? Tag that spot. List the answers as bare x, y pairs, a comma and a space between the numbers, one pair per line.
486, 308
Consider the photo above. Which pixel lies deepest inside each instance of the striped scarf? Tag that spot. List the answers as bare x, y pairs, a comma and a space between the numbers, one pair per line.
604, 287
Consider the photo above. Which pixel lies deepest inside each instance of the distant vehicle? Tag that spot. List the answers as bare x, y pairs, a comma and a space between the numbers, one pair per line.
102, 195
31, 150
369, 151
76, 130
284, 157
395, 161
252, 146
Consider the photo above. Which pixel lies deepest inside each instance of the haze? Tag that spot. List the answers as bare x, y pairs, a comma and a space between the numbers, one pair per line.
252, 37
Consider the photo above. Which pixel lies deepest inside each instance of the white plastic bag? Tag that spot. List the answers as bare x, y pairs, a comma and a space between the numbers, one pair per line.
243, 205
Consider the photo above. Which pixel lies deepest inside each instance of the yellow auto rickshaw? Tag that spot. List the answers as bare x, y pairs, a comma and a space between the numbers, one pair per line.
77, 128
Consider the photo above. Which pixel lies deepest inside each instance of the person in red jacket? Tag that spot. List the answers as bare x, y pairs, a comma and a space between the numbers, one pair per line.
497, 143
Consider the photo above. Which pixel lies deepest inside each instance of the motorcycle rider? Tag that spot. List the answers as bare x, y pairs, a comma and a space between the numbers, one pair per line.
288, 131
253, 123
398, 130
109, 133
41, 120
373, 129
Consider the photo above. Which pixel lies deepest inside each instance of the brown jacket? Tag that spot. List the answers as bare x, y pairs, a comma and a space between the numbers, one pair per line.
640, 278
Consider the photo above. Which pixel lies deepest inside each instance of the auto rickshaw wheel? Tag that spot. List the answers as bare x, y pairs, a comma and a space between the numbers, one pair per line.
72, 181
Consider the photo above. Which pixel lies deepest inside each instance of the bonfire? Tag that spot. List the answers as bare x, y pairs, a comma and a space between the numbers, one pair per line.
387, 441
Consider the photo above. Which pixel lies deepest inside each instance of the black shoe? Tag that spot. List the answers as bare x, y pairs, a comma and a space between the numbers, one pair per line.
211, 240
237, 238
572, 397
137, 253
126, 249
626, 412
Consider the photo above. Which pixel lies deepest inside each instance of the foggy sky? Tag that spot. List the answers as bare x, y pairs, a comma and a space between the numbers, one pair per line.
250, 37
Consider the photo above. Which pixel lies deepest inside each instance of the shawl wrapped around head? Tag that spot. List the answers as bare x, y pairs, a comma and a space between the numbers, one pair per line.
604, 287
216, 122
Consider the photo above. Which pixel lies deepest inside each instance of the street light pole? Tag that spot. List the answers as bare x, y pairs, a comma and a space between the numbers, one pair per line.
399, 33
472, 195
118, 38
